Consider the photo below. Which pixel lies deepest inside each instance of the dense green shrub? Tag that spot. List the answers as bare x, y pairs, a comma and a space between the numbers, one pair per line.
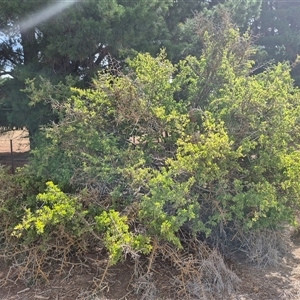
168, 148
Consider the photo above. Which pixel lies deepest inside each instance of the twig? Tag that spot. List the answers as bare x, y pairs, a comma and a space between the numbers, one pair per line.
152, 256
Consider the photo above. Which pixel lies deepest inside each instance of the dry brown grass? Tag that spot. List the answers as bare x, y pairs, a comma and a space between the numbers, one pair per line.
198, 272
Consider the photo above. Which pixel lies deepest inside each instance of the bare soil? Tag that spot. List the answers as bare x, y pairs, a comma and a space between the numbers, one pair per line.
271, 283
19, 138
18, 142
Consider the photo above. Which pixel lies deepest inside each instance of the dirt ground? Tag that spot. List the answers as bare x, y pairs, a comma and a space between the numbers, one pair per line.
19, 141
271, 283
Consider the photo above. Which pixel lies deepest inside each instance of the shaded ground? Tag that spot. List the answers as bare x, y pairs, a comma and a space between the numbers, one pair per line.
282, 282
14, 160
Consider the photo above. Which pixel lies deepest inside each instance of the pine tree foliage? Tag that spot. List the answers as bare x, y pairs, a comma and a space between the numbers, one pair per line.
278, 32
86, 37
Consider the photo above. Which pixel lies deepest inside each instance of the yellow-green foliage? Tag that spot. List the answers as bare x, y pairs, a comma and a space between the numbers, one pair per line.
117, 236
56, 208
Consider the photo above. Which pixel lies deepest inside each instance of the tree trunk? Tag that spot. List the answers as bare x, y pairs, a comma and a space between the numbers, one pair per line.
29, 46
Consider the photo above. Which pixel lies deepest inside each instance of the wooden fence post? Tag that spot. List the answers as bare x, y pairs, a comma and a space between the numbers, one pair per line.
12, 158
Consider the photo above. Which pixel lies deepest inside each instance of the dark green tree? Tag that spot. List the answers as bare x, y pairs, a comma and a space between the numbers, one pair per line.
278, 31
87, 37
81, 40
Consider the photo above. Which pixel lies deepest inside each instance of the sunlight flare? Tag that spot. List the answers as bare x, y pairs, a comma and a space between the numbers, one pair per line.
45, 14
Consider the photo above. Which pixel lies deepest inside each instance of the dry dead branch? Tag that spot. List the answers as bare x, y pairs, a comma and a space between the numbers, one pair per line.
265, 247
